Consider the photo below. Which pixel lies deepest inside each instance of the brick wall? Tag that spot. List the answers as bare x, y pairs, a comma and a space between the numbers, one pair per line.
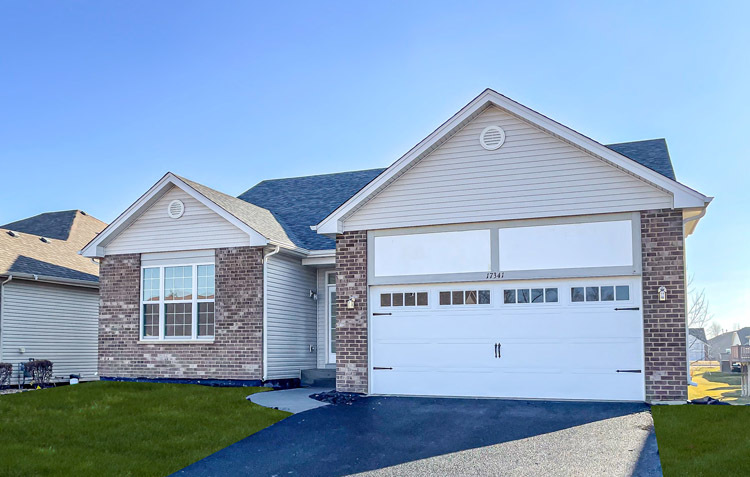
236, 352
351, 325
664, 321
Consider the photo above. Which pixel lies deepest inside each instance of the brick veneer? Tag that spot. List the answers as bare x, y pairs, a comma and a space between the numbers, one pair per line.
664, 322
351, 325
237, 350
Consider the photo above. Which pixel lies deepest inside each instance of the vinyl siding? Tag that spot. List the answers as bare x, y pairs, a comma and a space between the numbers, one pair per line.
198, 228
54, 322
534, 174
291, 320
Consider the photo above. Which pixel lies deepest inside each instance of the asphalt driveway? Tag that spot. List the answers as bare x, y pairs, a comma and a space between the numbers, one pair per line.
429, 436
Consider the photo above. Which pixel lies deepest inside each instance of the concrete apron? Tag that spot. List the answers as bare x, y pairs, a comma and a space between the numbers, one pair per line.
289, 400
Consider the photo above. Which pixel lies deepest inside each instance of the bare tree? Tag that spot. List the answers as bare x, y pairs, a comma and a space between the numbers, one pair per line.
714, 330
699, 315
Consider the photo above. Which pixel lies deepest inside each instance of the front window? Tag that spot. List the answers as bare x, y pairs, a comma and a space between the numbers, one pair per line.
178, 302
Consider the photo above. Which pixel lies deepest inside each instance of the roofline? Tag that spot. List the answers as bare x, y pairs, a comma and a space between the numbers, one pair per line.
95, 248
683, 196
50, 279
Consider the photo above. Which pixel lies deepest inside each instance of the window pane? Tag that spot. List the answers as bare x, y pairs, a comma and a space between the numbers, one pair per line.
537, 295
205, 319
331, 278
422, 299
206, 288
410, 299
509, 296
332, 313
398, 299
550, 295
385, 299
592, 293
445, 298
178, 283
576, 294
458, 298
608, 293
623, 292
471, 297
523, 295
178, 319
151, 320
484, 297
150, 284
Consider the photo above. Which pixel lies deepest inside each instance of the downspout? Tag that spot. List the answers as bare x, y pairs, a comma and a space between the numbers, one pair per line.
265, 310
2, 307
690, 381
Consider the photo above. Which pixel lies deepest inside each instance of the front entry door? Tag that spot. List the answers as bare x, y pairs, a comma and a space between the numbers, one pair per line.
331, 315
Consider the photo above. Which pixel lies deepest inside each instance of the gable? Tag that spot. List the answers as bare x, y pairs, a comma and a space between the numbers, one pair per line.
534, 174
198, 228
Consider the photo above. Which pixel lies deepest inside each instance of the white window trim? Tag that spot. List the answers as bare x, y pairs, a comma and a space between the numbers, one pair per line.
194, 338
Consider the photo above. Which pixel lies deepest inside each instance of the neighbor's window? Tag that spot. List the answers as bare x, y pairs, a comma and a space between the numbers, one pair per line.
178, 302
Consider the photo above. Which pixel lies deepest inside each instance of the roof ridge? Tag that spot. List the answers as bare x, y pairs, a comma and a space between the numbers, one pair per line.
637, 141
320, 175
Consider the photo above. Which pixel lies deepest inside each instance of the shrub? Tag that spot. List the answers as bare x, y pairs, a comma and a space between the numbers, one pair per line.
6, 371
40, 371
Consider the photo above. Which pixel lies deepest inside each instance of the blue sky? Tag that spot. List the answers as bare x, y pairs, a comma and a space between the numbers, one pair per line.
99, 99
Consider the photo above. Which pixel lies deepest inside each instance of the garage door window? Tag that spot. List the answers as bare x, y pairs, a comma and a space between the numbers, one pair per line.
600, 293
530, 295
404, 299
465, 297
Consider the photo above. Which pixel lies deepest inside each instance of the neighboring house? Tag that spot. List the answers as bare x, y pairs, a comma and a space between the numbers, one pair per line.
723, 342
504, 255
697, 344
49, 298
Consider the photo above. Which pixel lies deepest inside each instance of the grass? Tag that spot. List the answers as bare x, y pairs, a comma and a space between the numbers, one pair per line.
712, 382
703, 440
123, 429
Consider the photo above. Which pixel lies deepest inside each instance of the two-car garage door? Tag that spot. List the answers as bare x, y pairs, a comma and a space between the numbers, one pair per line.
563, 339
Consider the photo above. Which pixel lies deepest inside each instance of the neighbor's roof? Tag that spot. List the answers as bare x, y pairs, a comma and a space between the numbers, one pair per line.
65, 232
699, 333
299, 202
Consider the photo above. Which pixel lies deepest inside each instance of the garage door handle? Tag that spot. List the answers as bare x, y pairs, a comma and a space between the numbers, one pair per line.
381, 314
632, 308
378, 367
629, 371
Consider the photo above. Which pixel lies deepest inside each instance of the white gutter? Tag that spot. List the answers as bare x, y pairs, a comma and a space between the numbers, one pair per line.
2, 307
265, 310
685, 223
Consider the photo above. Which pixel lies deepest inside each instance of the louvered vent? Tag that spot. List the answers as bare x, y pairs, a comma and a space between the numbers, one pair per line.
492, 137
176, 209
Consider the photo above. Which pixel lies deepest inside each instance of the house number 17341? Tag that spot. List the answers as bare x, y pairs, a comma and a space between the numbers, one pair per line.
494, 275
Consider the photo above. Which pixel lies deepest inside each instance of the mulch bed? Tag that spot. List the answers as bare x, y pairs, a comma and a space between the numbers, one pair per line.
335, 397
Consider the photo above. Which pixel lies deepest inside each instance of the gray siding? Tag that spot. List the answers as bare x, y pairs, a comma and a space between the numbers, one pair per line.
198, 228
54, 322
534, 174
291, 320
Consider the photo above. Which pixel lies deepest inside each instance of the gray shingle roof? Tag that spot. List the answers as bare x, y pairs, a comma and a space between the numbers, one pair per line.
699, 333
299, 202
54, 225
652, 153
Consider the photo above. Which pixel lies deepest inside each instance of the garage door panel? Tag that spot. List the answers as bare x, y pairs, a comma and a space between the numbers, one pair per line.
557, 350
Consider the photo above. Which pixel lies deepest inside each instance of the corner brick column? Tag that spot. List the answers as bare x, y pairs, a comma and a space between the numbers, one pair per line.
237, 350
351, 325
664, 322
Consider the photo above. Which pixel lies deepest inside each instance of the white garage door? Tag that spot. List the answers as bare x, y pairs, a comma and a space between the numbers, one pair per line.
564, 339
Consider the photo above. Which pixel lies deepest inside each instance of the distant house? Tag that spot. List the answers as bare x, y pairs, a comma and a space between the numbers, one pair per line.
49, 297
721, 343
697, 344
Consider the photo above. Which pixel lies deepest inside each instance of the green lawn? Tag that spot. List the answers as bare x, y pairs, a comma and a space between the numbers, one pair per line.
114, 429
731, 379
703, 440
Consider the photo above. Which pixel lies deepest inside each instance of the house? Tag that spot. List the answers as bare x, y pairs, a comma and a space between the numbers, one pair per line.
697, 344
49, 297
504, 255
723, 342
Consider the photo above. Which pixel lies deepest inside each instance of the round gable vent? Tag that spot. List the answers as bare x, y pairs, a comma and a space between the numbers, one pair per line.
492, 137
176, 209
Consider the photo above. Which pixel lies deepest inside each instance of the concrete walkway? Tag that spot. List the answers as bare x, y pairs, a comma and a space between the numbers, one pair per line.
289, 400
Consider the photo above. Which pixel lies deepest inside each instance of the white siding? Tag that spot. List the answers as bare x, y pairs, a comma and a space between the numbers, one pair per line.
291, 319
54, 322
198, 228
534, 174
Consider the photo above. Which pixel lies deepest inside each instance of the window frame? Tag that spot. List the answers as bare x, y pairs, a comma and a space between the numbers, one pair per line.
194, 301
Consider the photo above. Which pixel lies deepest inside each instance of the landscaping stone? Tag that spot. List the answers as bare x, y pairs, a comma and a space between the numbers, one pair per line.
337, 397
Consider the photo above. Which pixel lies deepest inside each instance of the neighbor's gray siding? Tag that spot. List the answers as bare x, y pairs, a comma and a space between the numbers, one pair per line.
54, 322
291, 320
198, 228
534, 174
